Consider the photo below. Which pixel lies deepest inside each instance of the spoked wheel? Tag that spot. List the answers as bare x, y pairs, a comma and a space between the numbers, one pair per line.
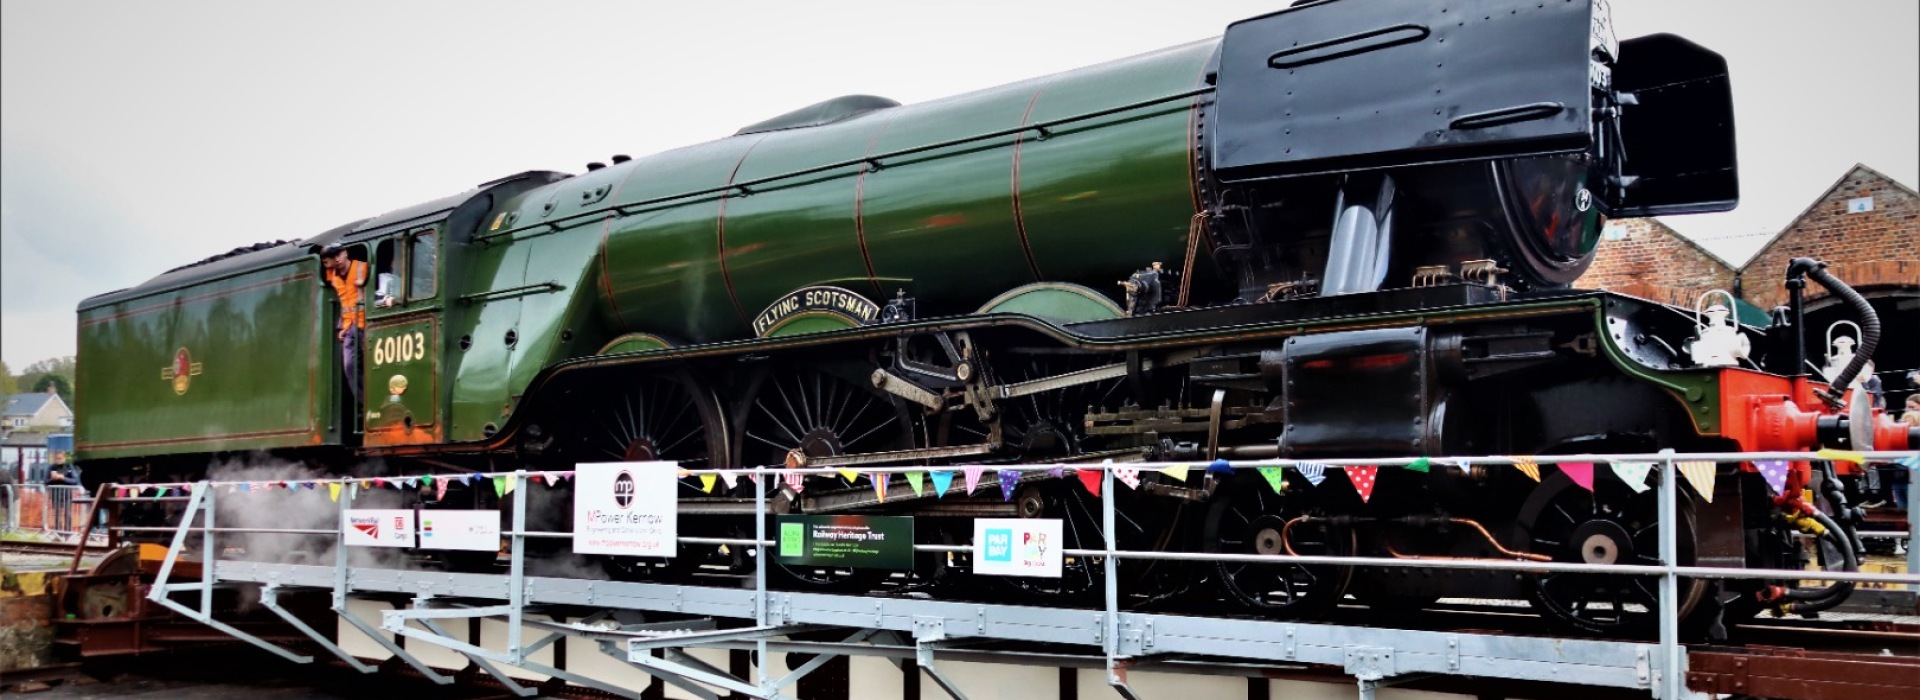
1610, 525
1247, 517
808, 416
658, 417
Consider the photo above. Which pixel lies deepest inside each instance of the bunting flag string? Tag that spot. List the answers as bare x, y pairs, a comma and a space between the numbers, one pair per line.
1008, 479
333, 492
1841, 455
916, 481
973, 477
1090, 479
1422, 465
1634, 473
1362, 477
1178, 472
1313, 471
880, 480
941, 480
1276, 477
1580, 472
1700, 474
1128, 475
706, 482
852, 476
796, 481
1528, 467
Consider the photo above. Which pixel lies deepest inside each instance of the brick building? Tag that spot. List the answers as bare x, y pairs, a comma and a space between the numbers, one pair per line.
1866, 227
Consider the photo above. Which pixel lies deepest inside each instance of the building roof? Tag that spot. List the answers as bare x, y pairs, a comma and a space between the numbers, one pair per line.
1661, 226
24, 439
25, 404
1824, 195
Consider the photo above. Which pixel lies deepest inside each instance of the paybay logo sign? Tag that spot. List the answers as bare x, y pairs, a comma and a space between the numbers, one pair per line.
1017, 547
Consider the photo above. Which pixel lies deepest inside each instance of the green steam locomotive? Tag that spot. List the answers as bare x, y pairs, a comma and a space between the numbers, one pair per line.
1332, 232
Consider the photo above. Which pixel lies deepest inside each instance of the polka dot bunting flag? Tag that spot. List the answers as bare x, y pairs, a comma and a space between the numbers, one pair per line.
1362, 478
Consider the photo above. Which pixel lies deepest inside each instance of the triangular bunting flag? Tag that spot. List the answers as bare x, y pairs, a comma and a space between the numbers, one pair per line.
1219, 466
439, 488
1700, 474
379, 482
512, 481
1362, 477
1060, 471
1580, 472
941, 480
1421, 465
1841, 455
850, 475
1127, 475
500, 486
333, 491
1008, 479
973, 477
537, 478
1314, 472
1634, 473
1276, 477
706, 482
917, 480
1178, 472
1527, 467
880, 485
1090, 479
553, 478
796, 482
729, 478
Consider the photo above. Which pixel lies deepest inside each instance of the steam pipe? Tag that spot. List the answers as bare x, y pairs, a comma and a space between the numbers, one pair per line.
1869, 325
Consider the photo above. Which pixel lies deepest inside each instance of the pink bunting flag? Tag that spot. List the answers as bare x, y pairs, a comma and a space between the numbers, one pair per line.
1090, 479
1362, 478
1580, 472
1775, 472
973, 477
440, 488
796, 482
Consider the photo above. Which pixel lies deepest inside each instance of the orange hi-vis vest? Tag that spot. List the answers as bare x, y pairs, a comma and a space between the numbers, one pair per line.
348, 289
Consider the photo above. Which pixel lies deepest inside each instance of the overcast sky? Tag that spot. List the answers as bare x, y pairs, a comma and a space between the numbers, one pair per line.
138, 136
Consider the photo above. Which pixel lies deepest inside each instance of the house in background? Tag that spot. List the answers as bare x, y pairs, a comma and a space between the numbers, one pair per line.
42, 412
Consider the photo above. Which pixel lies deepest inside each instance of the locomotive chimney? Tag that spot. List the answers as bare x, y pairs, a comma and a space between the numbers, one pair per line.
595, 166
621, 158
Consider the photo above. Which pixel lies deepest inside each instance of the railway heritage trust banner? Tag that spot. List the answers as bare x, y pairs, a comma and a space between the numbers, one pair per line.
1017, 547
379, 527
475, 530
626, 508
859, 541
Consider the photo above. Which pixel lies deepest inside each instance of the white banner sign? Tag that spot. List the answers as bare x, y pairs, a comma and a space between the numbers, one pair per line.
371, 527
476, 530
626, 508
1017, 547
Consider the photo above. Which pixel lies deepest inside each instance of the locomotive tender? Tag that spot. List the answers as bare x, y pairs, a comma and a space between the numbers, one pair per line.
1332, 232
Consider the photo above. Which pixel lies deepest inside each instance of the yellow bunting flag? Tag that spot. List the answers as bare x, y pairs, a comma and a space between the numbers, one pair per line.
1700, 474
706, 482
333, 491
850, 475
1527, 467
1178, 472
1841, 455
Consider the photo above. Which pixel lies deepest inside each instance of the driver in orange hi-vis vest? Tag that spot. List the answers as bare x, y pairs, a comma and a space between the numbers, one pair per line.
347, 276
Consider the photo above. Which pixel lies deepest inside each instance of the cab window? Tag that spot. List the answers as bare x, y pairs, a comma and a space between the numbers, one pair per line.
424, 259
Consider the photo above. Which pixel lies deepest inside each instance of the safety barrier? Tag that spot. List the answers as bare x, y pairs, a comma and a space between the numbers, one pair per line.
1122, 636
44, 511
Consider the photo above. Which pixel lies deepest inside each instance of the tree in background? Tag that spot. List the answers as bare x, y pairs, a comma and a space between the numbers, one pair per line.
6, 380
58, 384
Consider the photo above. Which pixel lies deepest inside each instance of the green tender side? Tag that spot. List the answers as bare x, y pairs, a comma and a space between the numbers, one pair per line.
259, 371
1095, 198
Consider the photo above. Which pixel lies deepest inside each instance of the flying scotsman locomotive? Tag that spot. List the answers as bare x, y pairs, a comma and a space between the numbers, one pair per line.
1342, 229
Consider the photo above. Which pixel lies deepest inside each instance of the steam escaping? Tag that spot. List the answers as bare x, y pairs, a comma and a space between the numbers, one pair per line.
288, 509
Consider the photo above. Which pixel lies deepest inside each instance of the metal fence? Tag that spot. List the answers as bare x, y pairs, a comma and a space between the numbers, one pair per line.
45, 511
197, 521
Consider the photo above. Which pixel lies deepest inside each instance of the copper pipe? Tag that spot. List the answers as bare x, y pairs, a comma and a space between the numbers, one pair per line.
1496, 543
1287, 542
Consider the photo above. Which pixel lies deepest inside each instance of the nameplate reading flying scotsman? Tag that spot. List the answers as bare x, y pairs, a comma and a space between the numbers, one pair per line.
828, 300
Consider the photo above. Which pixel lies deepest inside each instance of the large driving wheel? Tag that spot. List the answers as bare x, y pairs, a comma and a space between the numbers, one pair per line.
1609, 525
664, 416
1247, 517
